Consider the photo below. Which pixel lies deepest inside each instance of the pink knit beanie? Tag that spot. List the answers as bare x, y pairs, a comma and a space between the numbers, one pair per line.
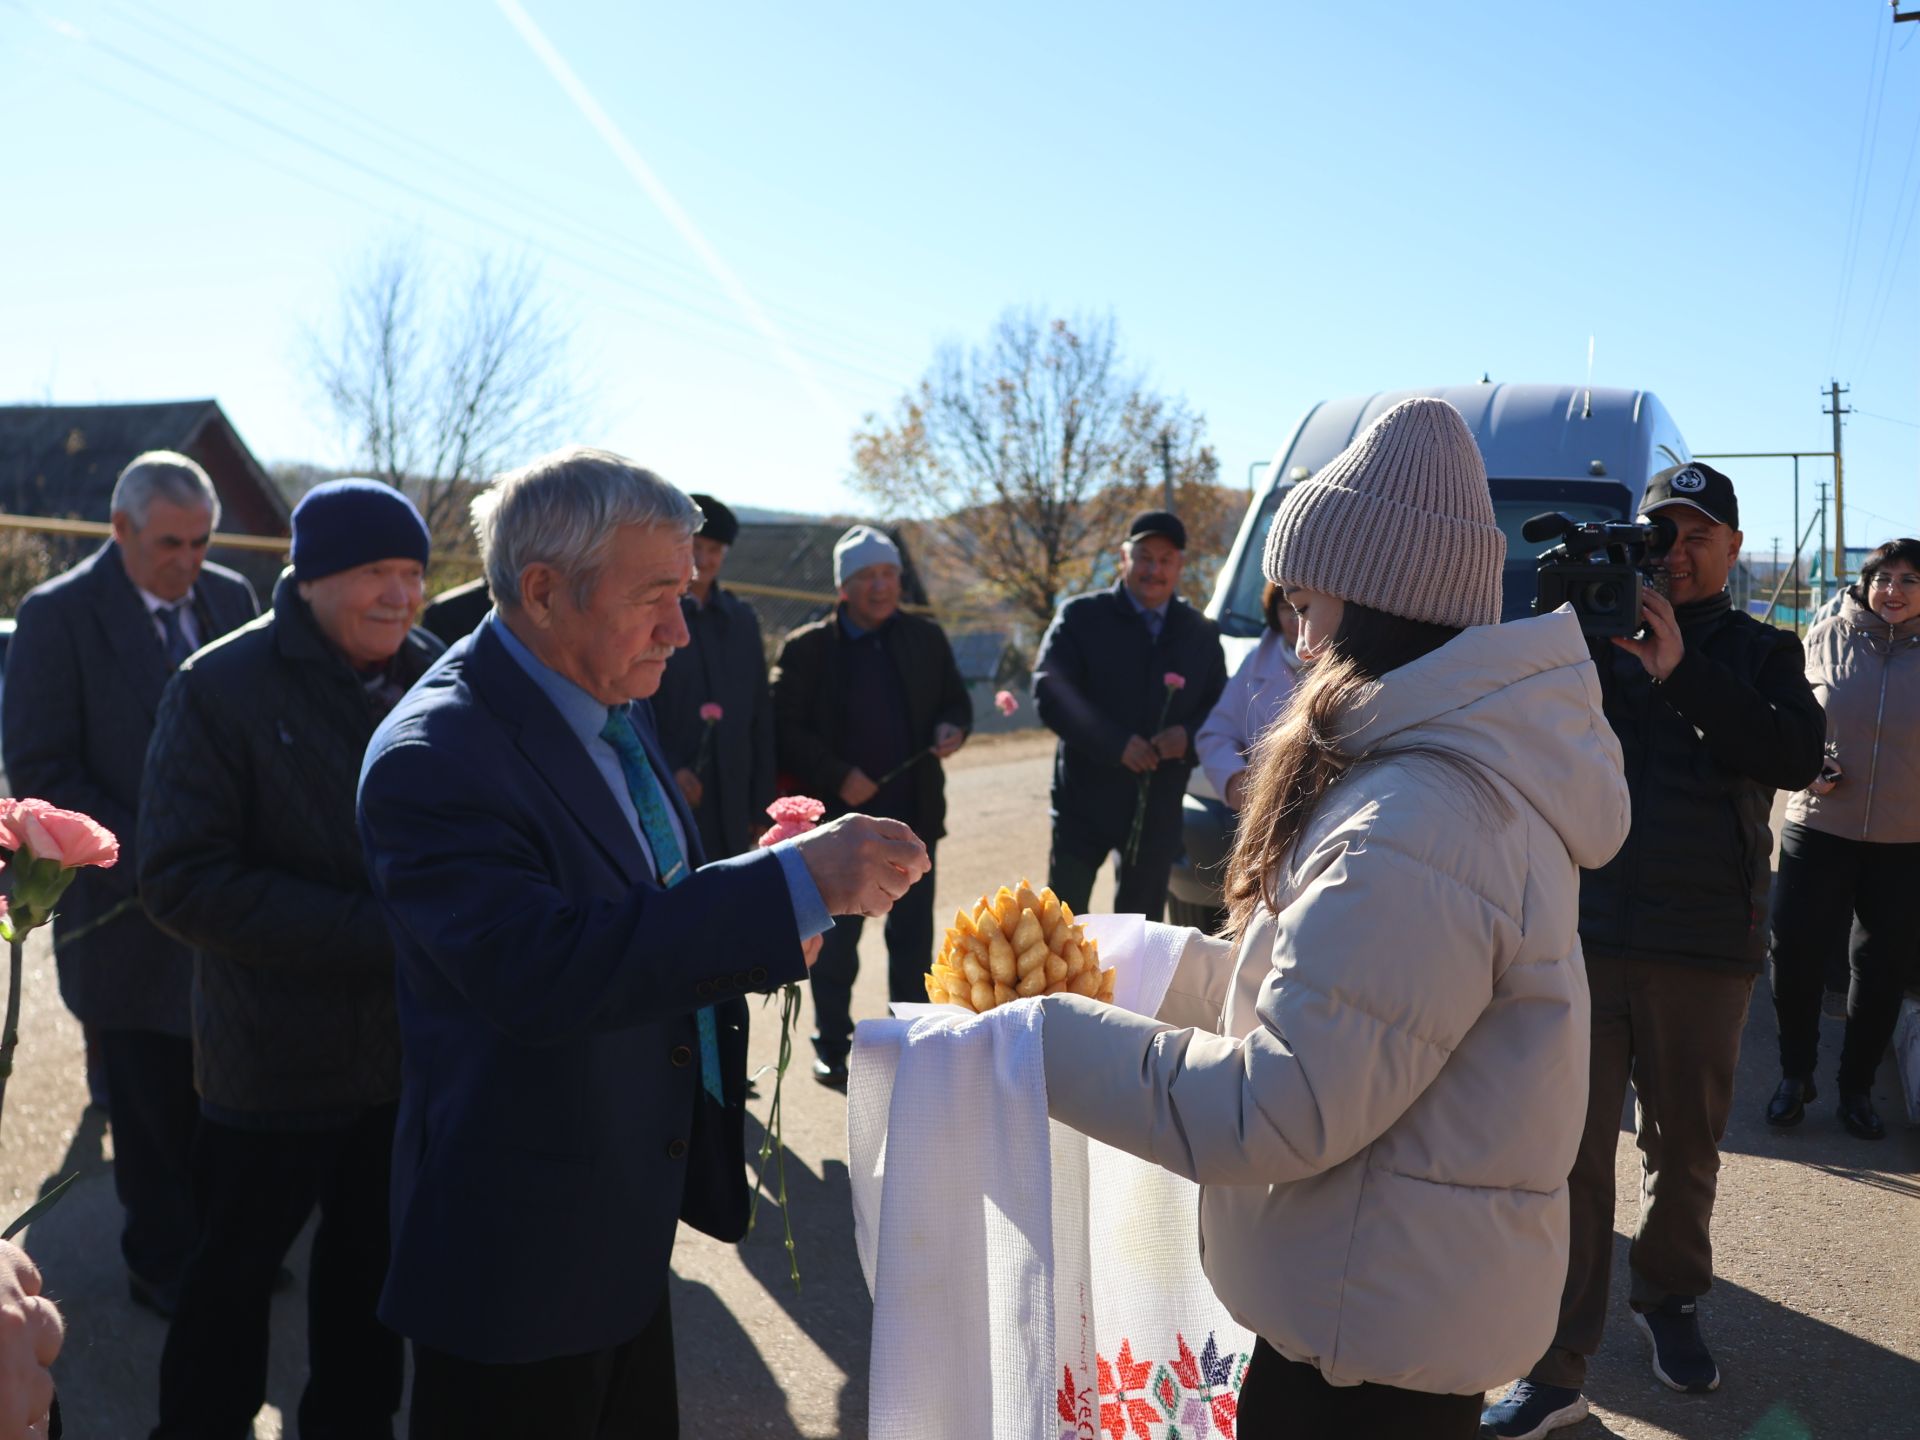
1400, 521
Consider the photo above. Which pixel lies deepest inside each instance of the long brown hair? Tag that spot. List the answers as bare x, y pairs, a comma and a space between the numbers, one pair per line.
1300, 755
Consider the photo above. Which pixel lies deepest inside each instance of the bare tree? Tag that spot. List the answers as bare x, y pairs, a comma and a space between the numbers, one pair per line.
1023, 458
442, 386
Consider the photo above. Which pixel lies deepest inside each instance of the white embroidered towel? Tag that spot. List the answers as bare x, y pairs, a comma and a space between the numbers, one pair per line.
1026, 1283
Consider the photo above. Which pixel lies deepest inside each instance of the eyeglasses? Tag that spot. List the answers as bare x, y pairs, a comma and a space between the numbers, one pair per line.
1908, 582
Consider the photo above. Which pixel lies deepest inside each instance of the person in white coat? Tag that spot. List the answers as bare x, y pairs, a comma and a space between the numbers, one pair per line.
1253, 700
1380, 1082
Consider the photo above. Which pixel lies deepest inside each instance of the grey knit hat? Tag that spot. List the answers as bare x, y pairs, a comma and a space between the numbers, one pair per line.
1400, 521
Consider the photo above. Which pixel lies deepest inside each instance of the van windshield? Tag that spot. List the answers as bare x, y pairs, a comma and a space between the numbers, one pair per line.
1517, 501
1514, 503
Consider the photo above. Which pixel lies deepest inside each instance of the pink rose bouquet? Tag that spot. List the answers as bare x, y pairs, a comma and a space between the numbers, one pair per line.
1005, 702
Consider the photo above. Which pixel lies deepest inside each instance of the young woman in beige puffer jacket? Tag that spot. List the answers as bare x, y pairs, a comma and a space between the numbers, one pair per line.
1850, 850
1381, 1082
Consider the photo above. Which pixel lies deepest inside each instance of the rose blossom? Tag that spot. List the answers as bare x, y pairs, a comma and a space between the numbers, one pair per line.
66, 837
1006, 702
1174, 680
711, 713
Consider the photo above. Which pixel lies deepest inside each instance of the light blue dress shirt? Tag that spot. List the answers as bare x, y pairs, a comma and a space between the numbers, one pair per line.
586, 717
1159, 612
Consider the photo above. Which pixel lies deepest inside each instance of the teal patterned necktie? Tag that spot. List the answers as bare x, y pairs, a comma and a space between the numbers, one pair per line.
669, 861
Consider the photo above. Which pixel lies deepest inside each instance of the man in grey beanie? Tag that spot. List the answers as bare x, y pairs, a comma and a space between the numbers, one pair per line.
867, 703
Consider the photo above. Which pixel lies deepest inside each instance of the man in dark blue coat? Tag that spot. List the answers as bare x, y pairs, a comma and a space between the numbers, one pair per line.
92, 651
723, 765
1101, 685
571, 978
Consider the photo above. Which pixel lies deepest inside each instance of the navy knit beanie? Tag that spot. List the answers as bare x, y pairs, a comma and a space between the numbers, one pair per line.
345, 523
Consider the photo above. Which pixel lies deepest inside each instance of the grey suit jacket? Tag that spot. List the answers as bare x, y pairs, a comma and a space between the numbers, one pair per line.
84, 676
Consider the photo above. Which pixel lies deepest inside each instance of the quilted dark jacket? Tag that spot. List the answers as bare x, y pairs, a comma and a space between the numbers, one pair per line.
1704, 753
249, 853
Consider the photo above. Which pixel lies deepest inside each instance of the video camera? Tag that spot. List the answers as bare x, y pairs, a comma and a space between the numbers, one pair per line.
1599, 567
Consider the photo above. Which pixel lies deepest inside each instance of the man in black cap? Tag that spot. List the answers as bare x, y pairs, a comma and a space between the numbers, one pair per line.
1125, 677
713, 707
1713, 713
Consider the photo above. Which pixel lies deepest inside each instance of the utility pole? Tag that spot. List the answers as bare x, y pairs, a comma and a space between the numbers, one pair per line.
1839, 570
1166, 467
1826, 555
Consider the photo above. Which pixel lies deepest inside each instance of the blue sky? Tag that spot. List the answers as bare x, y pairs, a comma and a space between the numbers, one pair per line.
1277, 203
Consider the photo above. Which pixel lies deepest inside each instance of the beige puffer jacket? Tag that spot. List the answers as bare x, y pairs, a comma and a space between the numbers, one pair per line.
1386, 1110
1866, 674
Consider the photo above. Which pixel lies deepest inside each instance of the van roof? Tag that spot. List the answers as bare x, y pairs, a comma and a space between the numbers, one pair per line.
1543, 431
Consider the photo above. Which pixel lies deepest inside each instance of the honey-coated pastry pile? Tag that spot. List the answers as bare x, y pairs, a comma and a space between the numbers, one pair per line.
1015, 945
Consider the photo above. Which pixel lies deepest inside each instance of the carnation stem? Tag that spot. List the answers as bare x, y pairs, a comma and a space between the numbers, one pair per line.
10, 1037
771, 1137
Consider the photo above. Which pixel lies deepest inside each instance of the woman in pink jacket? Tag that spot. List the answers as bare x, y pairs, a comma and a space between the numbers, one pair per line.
1380, 1084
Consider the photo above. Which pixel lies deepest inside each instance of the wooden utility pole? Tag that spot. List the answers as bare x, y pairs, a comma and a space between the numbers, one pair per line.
1166, 468
1839, 570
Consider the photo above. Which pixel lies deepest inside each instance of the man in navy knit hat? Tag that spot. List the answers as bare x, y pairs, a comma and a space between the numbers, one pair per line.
248, 853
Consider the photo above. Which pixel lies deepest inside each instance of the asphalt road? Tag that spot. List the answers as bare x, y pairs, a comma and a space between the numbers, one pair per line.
1815, 1318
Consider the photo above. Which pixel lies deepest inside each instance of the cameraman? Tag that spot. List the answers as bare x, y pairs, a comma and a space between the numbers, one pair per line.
1714, 713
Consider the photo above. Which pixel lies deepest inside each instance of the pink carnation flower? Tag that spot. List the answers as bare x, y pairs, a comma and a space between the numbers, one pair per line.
66, 837
1006, 702
792, 815
711, 713
1175, 680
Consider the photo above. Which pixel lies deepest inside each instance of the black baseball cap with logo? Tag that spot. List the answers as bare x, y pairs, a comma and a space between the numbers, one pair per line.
1695, 484
1159, 522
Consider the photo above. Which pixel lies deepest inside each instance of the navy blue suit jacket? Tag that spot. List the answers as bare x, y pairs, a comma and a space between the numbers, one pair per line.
552, 1129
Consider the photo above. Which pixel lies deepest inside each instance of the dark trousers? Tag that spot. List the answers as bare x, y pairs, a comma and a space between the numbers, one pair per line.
154, 1115
1828, 886
1673, 1032
909, 933
256, 1189
623, 1393
1077, 855
1282, 1399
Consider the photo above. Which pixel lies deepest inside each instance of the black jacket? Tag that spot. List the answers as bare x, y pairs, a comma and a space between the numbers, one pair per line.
725, 663
249, 853
1101, 679
1704, 752
807, 711
84, 676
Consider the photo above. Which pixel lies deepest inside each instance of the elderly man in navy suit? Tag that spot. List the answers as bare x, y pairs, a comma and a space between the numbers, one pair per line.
571, 977
92, 651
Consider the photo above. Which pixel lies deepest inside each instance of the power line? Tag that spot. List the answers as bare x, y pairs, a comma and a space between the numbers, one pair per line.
419, 193
335, 111
1862, 168
1891, 420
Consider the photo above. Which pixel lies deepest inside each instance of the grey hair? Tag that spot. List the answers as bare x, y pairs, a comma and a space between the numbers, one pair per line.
167, 475
562, 510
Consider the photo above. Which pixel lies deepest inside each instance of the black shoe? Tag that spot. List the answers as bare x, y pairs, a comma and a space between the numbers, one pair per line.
1858, 1115
832, 1075
161, 1300
1680, 1357
1789, 1103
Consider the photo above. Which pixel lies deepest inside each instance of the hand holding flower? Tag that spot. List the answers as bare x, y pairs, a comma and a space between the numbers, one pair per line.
947, 739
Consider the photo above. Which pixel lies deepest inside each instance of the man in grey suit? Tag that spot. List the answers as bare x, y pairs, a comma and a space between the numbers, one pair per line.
91, 652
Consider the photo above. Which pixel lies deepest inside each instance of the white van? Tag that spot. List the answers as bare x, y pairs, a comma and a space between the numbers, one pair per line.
1587, 452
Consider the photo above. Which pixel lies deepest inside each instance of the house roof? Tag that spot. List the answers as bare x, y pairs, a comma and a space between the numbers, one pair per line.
63, 460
